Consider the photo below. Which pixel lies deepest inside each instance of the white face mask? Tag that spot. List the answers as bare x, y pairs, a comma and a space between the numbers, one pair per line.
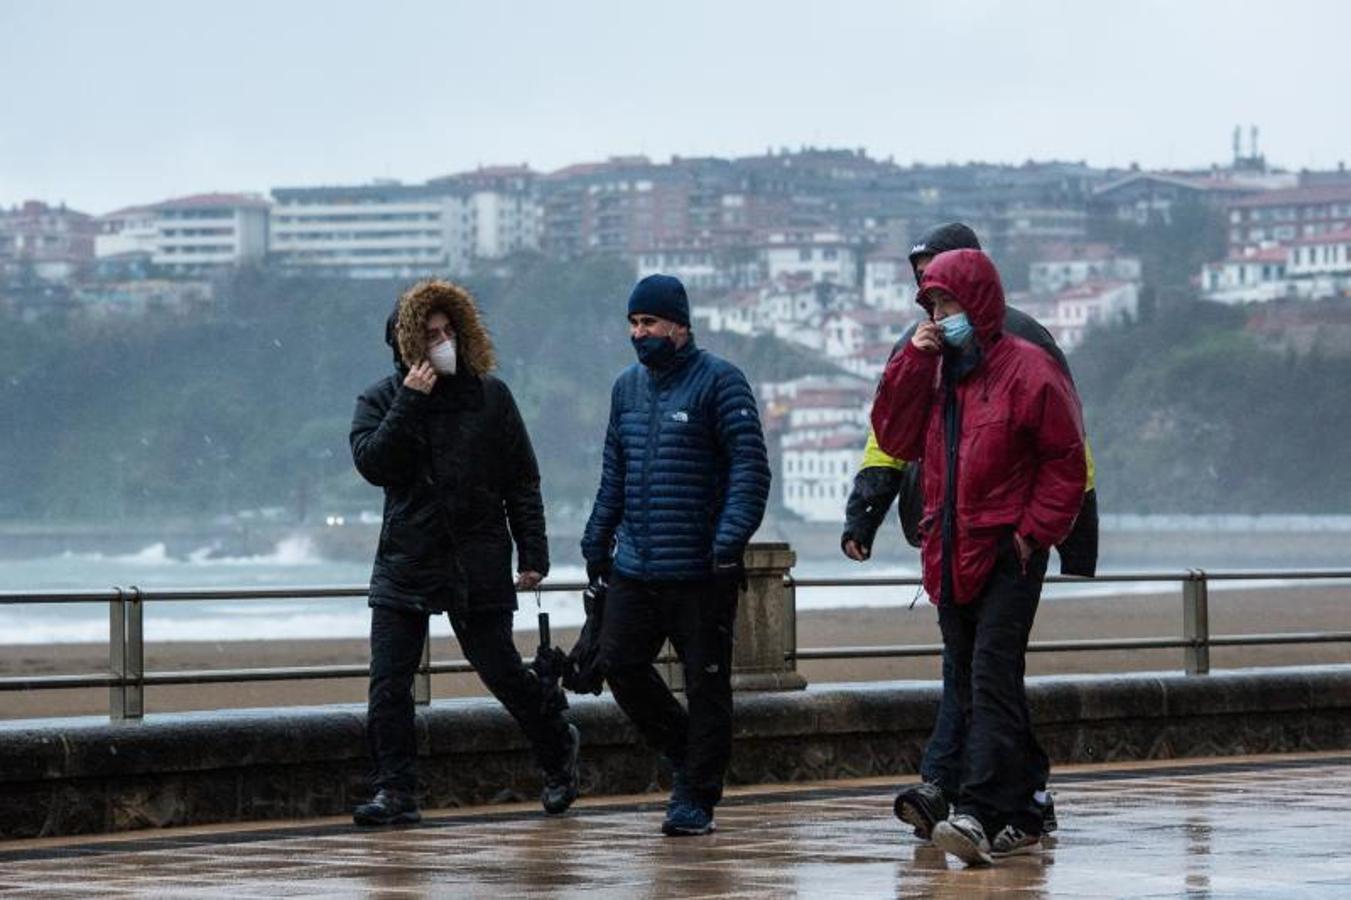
442, 357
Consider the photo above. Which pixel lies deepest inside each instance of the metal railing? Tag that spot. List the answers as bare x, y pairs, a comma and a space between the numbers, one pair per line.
127, 679
1195, 642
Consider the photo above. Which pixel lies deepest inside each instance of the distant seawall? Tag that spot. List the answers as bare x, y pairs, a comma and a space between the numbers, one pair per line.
83, 776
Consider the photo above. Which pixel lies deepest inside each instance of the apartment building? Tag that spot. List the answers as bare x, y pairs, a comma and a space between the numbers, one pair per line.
380, 230
53, 240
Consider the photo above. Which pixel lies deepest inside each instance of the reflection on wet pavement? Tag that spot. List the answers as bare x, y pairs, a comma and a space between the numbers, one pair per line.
1271, 827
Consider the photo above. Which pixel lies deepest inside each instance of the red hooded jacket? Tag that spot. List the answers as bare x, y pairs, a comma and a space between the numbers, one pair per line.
1020, 451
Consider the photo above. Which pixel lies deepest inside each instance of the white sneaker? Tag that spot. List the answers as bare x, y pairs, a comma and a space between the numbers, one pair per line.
964, 838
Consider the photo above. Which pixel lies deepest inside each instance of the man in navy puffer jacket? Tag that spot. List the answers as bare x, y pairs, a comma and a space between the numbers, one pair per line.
682, 489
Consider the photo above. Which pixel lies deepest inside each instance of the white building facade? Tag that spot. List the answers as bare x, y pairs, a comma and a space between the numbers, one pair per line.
818, 472
370, 231
889, 282
1072, 312
823, 257
210, 231
128, 232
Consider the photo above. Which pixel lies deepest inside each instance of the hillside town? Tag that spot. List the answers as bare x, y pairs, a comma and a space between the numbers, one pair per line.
808, 246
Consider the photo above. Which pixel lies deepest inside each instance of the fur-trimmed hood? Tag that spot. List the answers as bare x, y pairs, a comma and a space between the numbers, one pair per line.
405, 330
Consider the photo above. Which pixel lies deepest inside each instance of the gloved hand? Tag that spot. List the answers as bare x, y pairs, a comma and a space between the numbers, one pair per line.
598, 573
854, 548
730, 572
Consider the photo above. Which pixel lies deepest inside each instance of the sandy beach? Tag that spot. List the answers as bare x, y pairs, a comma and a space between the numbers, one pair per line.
1134, 615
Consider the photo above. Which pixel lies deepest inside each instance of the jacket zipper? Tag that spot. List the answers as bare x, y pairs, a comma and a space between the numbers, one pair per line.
653, 416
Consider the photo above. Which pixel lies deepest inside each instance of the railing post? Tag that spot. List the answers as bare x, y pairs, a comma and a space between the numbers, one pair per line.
766, 623
422, 681
126, 655
117, 655
1196, 622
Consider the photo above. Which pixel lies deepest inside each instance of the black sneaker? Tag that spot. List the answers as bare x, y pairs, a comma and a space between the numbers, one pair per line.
964, 837
684, 819
1011, 841
560, 787
1048, 819
921, 806
388, 807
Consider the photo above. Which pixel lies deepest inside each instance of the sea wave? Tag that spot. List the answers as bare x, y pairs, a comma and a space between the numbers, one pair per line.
295, 550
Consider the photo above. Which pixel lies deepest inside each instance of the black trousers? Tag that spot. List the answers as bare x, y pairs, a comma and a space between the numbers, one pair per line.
942, 761
986, 643
485, 639
697, 617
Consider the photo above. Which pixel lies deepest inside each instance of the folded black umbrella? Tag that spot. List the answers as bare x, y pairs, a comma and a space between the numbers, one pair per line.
549, 667
584, 673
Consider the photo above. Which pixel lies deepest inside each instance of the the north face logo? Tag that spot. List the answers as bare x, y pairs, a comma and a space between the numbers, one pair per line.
680, 416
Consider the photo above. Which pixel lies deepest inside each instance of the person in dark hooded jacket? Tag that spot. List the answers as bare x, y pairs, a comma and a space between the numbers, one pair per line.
445, 441
997, 424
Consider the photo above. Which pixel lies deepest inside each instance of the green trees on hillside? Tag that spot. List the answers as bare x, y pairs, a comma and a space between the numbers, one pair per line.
1188, 414
249, 404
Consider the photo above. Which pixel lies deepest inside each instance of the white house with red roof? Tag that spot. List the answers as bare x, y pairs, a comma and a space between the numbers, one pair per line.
188, 234
823, 256
888, 280
1070, 313
1254, 276
848, 333
133, 231
1308, 268
54, 240
818, 471
1319, 267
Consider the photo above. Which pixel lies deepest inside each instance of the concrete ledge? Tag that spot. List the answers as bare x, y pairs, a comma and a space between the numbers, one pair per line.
77, 776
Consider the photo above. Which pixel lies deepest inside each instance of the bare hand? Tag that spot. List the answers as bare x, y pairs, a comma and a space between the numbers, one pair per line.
528, 579
856, 551
421, 378
928, 337
1024, 548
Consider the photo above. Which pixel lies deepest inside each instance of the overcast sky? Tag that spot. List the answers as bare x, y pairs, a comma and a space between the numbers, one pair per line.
104, 105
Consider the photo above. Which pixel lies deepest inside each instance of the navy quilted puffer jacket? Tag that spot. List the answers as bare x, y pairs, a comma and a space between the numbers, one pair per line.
685, 477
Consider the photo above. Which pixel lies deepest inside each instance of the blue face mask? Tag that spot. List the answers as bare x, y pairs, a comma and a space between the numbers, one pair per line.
654, 351
957, 330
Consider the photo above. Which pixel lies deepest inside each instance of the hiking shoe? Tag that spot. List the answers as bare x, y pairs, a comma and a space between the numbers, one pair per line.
964, 838
388, 807
1048, 819
560, 787
921, 806
1011, 841
685, 819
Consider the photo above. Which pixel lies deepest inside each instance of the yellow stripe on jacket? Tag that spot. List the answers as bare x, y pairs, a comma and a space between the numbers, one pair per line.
874, 457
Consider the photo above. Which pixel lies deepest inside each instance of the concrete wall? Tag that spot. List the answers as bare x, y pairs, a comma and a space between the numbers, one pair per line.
76, 776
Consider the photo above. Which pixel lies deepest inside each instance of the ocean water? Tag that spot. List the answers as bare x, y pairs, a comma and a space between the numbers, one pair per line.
294, 562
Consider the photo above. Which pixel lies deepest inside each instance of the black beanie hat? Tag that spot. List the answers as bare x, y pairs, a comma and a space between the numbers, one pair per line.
662, 296
942, 238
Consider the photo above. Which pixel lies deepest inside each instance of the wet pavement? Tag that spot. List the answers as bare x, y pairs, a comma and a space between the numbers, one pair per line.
1247, 827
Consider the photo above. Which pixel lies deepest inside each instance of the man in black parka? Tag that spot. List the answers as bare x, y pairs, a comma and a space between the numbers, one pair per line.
445, 440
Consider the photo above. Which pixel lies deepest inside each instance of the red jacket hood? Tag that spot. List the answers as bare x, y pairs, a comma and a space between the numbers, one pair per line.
971, 277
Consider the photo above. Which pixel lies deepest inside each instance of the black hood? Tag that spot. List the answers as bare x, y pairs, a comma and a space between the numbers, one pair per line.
942, 238
392, 340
